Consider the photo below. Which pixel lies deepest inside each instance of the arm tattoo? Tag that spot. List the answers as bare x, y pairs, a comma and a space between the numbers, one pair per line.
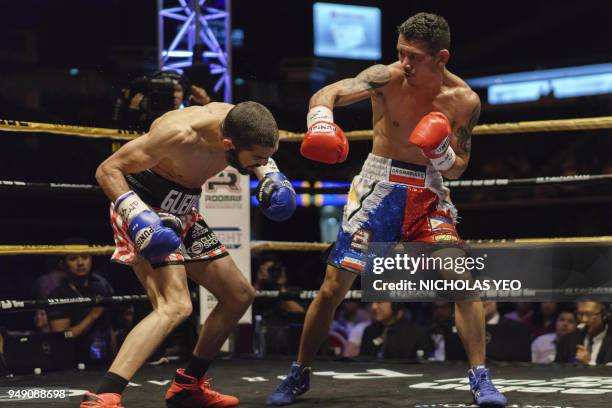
464, 133
367, 81
375, 77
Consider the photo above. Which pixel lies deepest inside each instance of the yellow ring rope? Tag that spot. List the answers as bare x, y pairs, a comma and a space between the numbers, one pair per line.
69, 130
604, 122
260, 246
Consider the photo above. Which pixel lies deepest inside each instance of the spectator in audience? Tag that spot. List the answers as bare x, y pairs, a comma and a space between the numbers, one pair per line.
522, 313
506, 340
91, 326
351, 320
544, 347
41, 321
271, 275
391, 336
123, 323
591, 344
48, 281
544, 319
40, 324
278, 315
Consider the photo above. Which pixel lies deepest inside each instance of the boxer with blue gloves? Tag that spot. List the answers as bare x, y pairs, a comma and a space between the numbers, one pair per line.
274, 192
153, 240
155, 182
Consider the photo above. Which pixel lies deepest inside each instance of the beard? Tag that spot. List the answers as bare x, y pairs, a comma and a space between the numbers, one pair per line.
231, 156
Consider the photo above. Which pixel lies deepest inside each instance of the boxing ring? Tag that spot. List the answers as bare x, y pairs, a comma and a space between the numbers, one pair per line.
351, 384
336, 382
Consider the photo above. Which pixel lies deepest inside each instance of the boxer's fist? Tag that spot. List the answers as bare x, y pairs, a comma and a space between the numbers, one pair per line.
153, 239
324, 141
432, 134
276, 196
274, 192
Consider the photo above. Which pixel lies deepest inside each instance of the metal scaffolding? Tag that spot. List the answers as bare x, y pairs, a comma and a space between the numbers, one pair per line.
200, 32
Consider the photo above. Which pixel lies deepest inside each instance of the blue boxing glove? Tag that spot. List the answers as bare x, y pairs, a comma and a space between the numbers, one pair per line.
151, 236
274, 192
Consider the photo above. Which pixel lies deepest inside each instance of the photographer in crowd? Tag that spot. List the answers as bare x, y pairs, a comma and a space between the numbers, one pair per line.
149, 97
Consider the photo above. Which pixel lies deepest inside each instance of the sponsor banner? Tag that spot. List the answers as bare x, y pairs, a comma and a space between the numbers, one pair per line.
413, 176
447, 269
231, 237
226, 209
226, 191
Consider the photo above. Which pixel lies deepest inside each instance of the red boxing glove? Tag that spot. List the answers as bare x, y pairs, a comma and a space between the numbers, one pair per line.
432, 134
324, 141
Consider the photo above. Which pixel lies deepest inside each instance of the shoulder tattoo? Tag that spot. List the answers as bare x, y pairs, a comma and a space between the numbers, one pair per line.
376, 76
464, 133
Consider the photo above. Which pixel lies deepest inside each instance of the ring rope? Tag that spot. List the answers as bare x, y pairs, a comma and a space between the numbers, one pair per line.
94, 250
26, 185
68, 130
261, 246
557, 125
32, 304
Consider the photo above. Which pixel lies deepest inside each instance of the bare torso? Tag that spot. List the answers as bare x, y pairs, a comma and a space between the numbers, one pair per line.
397, 108
200, 155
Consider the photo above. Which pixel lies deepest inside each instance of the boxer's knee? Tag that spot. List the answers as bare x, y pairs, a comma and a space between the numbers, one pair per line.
245, 296
175, 311
332, 291
240, 298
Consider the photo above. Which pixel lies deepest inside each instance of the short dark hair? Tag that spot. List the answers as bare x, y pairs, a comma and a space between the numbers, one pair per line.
250, 123
430, 28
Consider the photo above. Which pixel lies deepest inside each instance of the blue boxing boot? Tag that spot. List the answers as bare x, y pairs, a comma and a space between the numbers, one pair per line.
296, 383
484, 392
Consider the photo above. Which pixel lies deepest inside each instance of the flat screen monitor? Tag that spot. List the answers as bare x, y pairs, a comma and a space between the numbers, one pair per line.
346, 31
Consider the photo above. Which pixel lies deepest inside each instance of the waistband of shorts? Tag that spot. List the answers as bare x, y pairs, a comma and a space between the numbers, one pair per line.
162, 193
384, 169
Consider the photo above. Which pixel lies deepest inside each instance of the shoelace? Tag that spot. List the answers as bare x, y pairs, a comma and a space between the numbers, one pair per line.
203, 385
484, 384
289, 383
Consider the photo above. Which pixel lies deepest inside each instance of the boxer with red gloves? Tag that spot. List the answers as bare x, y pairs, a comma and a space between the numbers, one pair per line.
433, 134
155, 182
423, 116
324, 141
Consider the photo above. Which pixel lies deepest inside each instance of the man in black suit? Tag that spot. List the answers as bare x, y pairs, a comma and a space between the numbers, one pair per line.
392, 336
592, 343
507, 340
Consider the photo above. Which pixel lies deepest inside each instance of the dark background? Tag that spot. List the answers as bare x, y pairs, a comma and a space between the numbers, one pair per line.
111, 42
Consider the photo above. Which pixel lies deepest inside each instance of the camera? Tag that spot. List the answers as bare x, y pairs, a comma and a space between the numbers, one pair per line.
158, 98
158, 91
